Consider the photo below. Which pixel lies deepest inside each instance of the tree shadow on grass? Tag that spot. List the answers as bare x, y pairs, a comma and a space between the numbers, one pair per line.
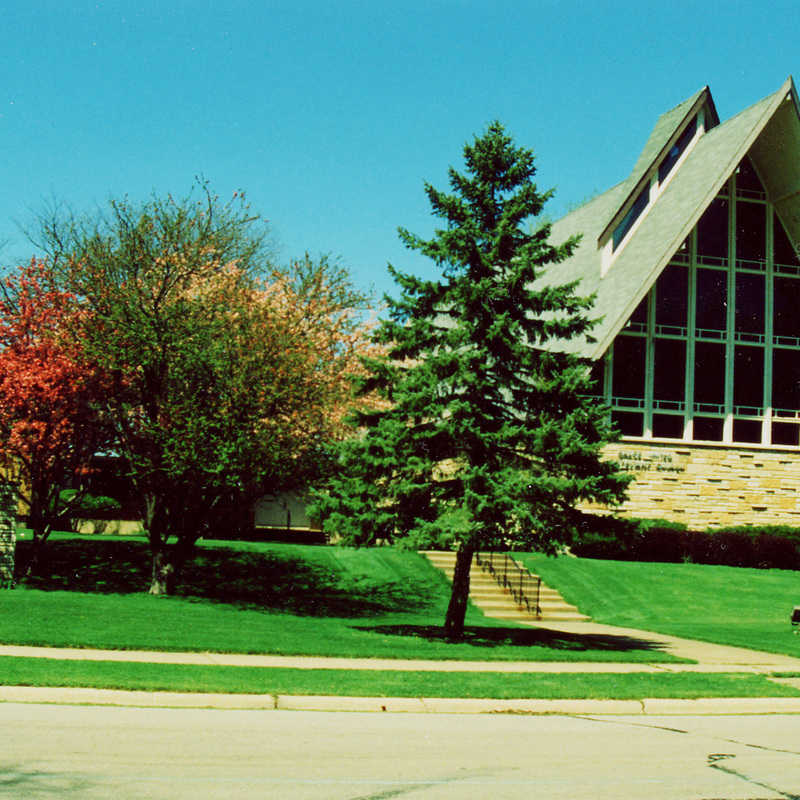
267, 581
83, 565
280, 582
488, 638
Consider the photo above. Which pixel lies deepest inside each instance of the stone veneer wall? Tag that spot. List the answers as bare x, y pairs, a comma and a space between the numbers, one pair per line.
8, 536
710, 485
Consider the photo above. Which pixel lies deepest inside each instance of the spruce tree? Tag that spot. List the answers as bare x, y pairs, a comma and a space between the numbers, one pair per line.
486, 434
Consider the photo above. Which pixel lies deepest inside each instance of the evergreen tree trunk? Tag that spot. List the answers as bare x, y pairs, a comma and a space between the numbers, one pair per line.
457, 609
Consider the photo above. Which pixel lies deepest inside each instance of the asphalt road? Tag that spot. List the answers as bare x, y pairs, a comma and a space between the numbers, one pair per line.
104, 752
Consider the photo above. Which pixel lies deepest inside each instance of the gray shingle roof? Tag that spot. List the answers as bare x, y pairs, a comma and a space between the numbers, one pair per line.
665, 225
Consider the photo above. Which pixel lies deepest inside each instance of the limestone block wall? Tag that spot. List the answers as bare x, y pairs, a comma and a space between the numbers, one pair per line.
705, 486
8, 537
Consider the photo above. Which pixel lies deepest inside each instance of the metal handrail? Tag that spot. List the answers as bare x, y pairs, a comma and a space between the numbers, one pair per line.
523, 587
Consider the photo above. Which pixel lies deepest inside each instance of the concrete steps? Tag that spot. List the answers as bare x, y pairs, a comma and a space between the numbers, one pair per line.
495, 601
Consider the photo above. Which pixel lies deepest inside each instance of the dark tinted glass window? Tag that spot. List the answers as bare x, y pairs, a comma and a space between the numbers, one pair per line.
712, 299
712, 232
708, 429
668, 426
639, 205
709, 373
747, 430
751, 231
747, 181
786, 310
628, 422
785, 433
750, 295
786, 379
628, 367
681, 255
672, 297
669, 369
676, 150
748, 376
638, 319
597, 375
784, 252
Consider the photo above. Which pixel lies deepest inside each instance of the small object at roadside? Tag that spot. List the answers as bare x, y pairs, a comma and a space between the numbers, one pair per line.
796, 618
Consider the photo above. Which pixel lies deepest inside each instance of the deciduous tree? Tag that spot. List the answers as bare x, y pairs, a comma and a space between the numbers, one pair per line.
487, 437
231, 374
51, 397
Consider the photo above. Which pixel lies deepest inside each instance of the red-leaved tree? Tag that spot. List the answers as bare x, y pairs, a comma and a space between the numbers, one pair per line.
50, 397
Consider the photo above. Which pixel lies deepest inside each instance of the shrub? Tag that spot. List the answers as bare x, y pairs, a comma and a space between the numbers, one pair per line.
90, 505
764, 547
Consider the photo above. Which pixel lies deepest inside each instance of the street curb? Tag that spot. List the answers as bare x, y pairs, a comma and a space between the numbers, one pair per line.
423, 705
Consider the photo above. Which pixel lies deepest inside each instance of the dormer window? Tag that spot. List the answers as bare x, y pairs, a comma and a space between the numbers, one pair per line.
676, 151
653, 185
634, 212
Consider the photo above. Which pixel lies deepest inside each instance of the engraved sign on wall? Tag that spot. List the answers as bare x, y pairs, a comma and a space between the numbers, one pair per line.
639, 461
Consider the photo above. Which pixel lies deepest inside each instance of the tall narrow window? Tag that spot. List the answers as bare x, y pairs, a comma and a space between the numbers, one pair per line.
676, 150
785, 254
672, 299
628, 374
712, 303
709, 377
748, 183
597, 377
750, 298
638, 320
785, 381
712, 233
748, 380
669, 372
786, 310
751, 234
634, 212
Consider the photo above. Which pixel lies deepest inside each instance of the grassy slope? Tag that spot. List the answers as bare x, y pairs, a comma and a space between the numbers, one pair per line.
261, 598
728, 605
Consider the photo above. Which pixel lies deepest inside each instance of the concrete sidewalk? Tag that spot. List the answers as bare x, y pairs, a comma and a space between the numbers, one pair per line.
707, 657
413, 705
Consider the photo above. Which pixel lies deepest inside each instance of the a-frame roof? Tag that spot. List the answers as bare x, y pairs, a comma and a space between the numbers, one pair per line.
768, 130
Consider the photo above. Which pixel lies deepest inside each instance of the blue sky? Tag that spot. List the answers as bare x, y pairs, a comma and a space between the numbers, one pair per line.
330, 115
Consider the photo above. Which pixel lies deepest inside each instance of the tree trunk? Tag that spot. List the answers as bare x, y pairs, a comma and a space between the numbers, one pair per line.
168, 563
163, 577
29, 567
457, 609
40, 529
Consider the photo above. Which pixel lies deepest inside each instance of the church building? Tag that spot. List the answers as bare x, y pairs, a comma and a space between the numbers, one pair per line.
693, 260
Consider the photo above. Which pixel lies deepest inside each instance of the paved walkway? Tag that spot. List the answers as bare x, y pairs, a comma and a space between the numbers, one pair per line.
707, 657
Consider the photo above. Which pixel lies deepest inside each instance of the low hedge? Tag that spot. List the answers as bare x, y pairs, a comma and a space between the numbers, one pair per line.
763, 547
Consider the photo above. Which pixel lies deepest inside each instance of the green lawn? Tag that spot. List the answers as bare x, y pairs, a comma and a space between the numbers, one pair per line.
371, 683
270, 598
728, 605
